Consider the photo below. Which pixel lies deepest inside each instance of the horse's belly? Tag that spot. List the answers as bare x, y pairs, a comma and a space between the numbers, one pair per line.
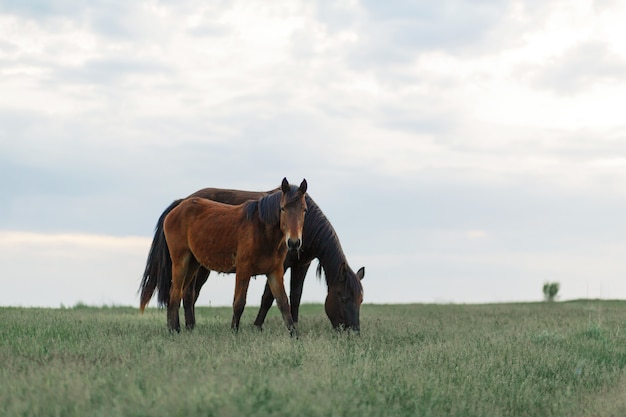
229, 265
220, 261
264, 266
225, 263
228, 258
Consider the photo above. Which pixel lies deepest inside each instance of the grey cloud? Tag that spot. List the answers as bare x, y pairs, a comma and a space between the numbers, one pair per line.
20, 179
398, 31
578, 68
109, 185
42, 8
107, 71
113, 18
392, 34
41, 198
527, 216
587, 144
209, 30
423, 118
336, 15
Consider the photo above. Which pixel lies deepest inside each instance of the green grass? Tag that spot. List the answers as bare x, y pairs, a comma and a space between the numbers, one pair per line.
543, 359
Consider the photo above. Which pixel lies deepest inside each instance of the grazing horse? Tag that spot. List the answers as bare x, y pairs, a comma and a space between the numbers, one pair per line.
345, 292
248, 239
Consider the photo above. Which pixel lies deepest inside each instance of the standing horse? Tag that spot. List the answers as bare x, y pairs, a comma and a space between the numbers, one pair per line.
345, 292
249, 239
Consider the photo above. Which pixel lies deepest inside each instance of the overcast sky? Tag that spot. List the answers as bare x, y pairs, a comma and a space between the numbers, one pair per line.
464, 151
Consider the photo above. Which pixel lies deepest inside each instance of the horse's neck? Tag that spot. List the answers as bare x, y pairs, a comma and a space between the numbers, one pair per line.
331, 260
272, 235
325, 246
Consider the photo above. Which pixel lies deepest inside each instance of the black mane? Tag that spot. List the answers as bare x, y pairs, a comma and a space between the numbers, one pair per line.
319, 236
268, 206
318, 233
268, 209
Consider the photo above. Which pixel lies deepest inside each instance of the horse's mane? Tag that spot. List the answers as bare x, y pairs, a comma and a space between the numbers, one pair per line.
318, 231
321, 233
268, 206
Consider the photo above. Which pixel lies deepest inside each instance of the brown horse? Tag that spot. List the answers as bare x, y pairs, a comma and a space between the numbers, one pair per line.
249, 239
345, 292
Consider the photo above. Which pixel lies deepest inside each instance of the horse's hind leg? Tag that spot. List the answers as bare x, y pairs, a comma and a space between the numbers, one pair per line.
179, 269
277, 285
180, 280
191, 296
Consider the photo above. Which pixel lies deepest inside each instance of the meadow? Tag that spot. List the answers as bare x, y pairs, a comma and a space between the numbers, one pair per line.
536, 359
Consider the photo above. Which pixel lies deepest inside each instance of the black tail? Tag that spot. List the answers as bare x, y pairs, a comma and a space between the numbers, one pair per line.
158, 272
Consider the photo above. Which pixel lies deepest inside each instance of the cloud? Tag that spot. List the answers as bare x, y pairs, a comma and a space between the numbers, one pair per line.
241, 92
579, 68
486, 275
53, 270
108, 18
64, 269
39, 8
11, 239
104, 72
447, 120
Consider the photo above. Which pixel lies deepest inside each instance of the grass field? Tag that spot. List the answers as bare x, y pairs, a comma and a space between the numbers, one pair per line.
543, 359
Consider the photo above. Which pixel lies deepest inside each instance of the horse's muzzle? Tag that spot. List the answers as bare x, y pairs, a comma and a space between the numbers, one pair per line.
294, 244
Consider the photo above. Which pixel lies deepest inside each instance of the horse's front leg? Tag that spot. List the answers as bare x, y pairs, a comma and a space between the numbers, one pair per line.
275, 280
239, 301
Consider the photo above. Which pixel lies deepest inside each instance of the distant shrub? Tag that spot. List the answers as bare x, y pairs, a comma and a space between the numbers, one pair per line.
550, 290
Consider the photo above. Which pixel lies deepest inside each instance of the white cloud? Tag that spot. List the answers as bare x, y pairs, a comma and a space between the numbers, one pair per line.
482, 275
54, 269
9, 239
110, 111
51, 270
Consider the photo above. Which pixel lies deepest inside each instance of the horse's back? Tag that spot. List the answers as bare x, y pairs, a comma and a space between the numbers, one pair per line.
208, 229
228, 196
314, 222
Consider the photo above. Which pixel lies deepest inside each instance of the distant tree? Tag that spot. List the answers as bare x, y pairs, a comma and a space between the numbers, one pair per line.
550, 290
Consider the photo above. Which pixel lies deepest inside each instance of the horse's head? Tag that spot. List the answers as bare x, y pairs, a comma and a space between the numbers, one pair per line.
343, 302
292, 209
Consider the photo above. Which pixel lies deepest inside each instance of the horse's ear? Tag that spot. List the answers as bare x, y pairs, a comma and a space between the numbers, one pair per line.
303, 186
285, 186
343, 270
360, 274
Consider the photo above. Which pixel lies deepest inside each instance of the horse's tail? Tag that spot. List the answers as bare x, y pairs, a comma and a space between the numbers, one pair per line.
158, 272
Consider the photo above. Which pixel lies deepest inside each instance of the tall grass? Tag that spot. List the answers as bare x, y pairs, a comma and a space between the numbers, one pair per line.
558, 359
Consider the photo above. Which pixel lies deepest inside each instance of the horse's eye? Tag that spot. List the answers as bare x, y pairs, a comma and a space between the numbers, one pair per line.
343, 299
282, 209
